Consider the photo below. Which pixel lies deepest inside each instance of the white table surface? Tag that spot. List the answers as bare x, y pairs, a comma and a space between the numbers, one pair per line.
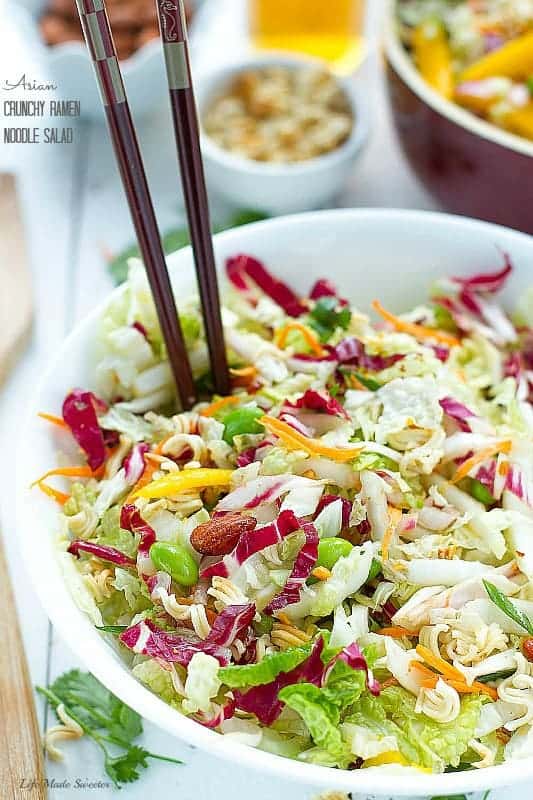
74, 209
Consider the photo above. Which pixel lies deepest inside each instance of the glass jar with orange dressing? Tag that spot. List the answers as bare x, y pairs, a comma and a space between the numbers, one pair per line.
331, 29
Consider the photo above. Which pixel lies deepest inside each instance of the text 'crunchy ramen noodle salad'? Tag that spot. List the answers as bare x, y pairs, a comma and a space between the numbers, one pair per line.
335, 562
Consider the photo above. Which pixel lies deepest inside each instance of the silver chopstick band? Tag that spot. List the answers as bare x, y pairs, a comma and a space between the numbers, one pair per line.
176, 62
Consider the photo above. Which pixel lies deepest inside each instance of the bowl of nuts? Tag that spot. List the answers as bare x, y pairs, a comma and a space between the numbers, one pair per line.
279, 133
136, 36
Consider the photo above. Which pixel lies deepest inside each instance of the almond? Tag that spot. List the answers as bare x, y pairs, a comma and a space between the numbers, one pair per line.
527, 648
220, 535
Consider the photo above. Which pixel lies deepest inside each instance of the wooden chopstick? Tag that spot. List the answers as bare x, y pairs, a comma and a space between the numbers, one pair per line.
174, 39
97, 32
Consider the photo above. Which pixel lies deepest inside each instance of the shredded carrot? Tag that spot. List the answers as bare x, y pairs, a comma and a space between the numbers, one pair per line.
467, 466
394, 519
504, 468
243, 372
59, 421
215, 407
440, 664
243, 377
418, 331
355, 383
158, 450
280, 339
293, 440
144, 480
321, 573
396, 632
68, 472
283, 618
476, 688
55, 494
431, 682
431, 679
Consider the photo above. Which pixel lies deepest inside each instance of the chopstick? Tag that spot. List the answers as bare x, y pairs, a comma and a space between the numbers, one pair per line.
173, 29
98, 37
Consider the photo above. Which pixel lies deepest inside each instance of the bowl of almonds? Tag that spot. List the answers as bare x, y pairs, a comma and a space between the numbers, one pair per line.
279, 133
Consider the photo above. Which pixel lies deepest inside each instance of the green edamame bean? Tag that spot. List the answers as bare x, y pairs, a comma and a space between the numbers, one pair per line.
174, 559
480, 492
330, 550
241, 421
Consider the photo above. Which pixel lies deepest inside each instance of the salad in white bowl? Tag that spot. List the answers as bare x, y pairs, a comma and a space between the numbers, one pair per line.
333, 563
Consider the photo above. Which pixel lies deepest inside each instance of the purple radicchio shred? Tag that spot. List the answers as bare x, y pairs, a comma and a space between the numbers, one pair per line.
80, 413
353, 656
324, 288
303, 566
263, 700
134, 462
318, 401
489, 282
328, 499
231, 623
104, 552
252, 542
351, 352
140, 328
458, 412
132, 521
146, 638
242, 267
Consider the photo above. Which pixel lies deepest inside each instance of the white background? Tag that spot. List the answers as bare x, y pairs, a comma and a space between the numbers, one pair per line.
74, 211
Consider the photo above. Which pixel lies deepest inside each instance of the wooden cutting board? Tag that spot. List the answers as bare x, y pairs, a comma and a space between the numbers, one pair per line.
15, 291
20, 746
21, 760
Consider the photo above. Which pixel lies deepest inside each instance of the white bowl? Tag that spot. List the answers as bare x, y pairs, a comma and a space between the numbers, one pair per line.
393, 255
277, 188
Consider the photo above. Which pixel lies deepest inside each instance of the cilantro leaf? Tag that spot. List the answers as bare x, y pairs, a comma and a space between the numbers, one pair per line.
325, 318
334, 388
508, 607
106, 720
125, 768
450, 797
496, 676
115, 629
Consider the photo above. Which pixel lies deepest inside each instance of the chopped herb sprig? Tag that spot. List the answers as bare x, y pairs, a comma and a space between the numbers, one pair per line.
105, 719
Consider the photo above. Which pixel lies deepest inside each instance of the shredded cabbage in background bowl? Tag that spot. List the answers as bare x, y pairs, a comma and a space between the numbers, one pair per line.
334, 563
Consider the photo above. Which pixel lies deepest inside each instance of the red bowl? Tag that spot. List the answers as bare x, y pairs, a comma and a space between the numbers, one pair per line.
471, 166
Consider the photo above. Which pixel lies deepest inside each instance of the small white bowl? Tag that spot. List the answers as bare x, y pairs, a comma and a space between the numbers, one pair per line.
393, 255
277, 188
